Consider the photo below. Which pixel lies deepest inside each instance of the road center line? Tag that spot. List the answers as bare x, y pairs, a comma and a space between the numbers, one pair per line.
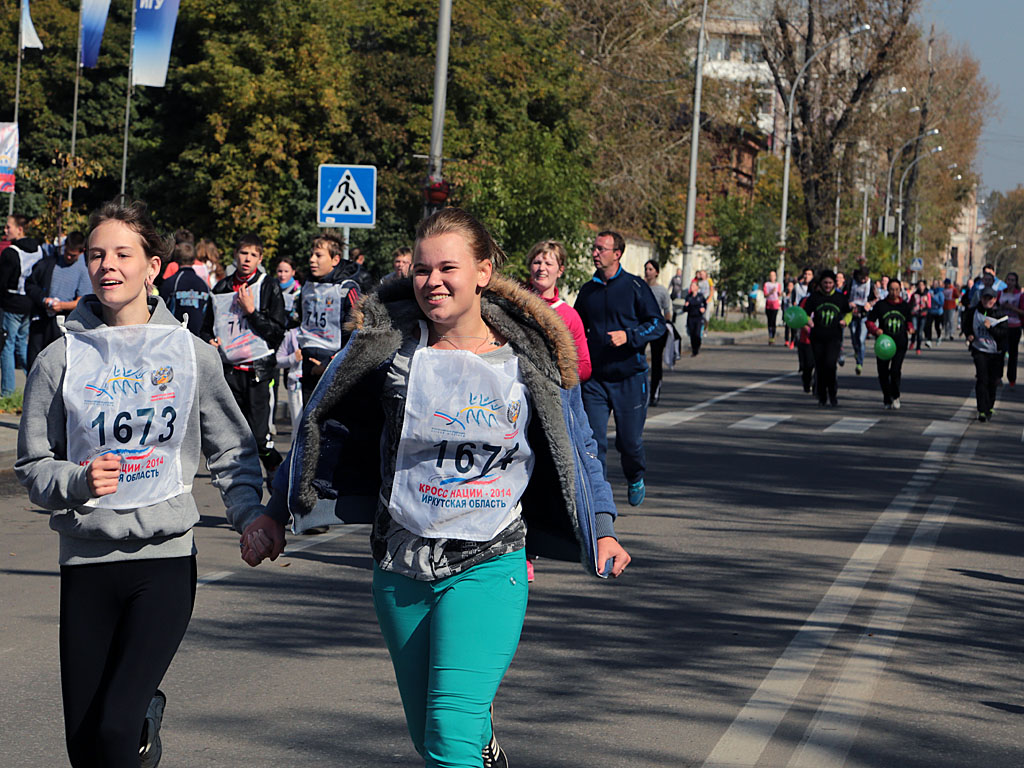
744, 741
834, 728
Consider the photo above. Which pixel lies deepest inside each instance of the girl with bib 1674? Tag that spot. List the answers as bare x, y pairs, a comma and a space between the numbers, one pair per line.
116, 415
453, 422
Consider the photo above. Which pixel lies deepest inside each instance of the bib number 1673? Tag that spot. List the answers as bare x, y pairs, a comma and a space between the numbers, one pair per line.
123, 428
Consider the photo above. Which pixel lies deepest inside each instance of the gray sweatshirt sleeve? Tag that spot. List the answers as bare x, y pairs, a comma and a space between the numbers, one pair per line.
228, 444
52, 482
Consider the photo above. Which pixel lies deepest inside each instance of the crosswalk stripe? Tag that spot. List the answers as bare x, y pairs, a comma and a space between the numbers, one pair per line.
671, 418
760, 422
945, 428
851, 426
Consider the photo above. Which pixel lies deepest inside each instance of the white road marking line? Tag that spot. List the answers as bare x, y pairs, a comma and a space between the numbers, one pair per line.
761, 422
966, 450
945, 428
290, 549
938, 449
748, 735
740, 391
849, 425
834, 727
215, 576
672, 418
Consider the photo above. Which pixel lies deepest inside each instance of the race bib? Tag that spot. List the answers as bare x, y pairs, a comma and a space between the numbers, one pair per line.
463, 460
238, 342
321, 316
128, 391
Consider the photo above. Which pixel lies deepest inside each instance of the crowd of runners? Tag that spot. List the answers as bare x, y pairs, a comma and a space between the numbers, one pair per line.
462, 415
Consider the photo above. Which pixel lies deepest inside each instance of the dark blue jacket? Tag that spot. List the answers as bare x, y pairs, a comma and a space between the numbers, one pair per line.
624, 303
186, 295
333, 476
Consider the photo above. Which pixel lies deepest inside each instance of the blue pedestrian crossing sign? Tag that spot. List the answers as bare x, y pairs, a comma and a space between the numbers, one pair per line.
346, 196
917, 265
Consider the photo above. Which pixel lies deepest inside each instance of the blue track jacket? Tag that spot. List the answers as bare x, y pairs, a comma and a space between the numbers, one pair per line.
624, 303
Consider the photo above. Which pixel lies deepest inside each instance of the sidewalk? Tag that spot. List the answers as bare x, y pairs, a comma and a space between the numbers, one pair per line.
9, 423
724, 338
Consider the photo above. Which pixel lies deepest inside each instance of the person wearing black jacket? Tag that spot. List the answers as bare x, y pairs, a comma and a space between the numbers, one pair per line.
56, 284
826, 308
185, 293
325, 304
695, 306
16, 264
986, 330
891, 316
620, 316
245, 319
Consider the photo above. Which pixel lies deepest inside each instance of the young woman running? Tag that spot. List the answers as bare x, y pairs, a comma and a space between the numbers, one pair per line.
453, 422
1010, 303
772, 303
113, 426
891, 316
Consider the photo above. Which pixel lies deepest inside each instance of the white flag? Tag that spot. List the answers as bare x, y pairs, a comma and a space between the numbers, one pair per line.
29, 38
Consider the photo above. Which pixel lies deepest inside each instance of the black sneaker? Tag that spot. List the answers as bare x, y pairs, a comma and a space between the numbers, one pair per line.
150, 748
493, 755
982, 416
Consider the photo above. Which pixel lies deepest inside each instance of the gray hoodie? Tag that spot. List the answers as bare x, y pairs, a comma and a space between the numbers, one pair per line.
215, 427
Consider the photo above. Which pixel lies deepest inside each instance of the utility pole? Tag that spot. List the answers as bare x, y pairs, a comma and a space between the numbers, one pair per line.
74, 112
436, 191
691, 190
128, 103
17, 97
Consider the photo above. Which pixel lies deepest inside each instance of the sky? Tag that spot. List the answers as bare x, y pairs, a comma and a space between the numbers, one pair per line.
991, 29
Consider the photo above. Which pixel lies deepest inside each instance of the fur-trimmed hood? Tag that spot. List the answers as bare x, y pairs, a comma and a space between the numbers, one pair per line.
527, 321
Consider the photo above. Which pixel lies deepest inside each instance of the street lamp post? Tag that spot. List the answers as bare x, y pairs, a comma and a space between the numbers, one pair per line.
789, 140
899, 211
892, 166
691, 189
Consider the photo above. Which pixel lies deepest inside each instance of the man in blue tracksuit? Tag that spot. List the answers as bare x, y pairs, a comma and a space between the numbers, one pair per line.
620, 316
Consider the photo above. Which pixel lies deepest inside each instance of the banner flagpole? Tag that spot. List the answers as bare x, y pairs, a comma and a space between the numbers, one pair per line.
128, 101
78, 76
17, 92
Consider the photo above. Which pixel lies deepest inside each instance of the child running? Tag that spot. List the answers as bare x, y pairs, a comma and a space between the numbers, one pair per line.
453, 421
116, 415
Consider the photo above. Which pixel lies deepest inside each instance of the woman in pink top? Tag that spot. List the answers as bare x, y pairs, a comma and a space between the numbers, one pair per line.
546, 262
1010, 300
772, 301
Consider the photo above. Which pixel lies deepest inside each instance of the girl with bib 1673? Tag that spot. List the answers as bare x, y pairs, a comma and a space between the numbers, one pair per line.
453, 421
116, 414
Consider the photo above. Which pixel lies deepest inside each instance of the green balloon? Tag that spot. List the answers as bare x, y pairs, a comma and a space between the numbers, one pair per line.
795, 317
885, 347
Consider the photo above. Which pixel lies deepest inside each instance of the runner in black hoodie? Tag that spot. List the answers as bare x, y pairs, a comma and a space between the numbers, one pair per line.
891, 316
826, 308
986, 330
326, 301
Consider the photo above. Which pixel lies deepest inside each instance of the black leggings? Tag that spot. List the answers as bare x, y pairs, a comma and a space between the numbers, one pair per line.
120, 626
773, 317
988, 370
890, 374
657, 359
826, 359
1012, 349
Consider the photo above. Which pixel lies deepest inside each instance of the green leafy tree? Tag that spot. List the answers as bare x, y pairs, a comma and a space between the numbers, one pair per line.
746, 249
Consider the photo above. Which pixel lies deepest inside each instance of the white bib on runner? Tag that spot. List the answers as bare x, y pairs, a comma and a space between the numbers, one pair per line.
321, 316
463, 460
129, 390
238, 343
28, 260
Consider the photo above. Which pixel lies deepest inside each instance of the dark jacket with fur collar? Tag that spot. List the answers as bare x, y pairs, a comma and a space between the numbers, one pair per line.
333, 472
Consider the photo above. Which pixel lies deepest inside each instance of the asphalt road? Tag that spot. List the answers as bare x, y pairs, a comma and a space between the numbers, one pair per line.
811, 588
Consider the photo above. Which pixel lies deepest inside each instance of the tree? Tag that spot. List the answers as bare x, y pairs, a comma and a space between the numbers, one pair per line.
746, 249
837, 86
1005, 213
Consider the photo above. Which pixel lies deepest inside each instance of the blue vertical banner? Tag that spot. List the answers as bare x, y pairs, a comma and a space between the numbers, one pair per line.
94, 21
154, 31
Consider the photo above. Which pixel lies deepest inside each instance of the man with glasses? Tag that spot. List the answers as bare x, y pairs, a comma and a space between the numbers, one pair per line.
620, 316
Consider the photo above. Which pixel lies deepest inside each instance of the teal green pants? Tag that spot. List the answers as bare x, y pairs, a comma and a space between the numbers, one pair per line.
451, 642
